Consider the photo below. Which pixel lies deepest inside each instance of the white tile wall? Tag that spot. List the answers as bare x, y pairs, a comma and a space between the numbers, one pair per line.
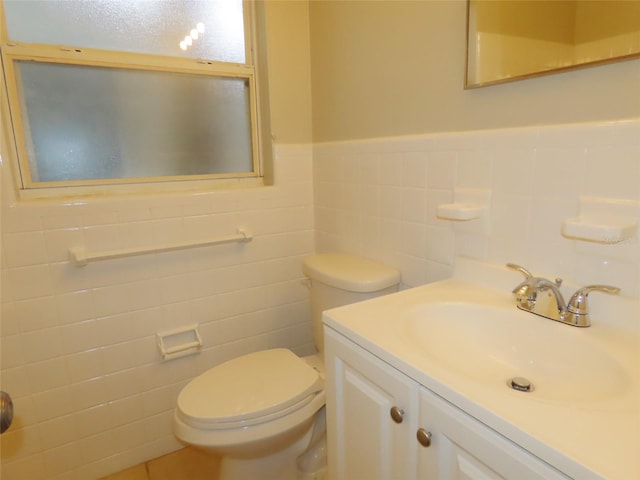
536, 176
79, 357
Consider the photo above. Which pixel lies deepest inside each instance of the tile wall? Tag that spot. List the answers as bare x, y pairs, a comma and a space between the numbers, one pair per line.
380, 198
79, 356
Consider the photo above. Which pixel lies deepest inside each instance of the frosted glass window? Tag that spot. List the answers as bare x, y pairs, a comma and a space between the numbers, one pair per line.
88, 123
140, 26
106, 92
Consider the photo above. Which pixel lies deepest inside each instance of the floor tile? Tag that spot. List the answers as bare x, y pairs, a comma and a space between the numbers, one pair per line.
185, 464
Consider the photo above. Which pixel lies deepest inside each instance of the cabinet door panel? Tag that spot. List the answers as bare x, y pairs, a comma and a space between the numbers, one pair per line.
364, 443
463, 448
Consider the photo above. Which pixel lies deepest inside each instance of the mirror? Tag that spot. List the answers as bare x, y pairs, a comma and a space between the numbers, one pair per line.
514, 39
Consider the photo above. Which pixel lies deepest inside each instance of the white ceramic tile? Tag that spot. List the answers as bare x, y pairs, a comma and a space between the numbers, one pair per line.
350, 197
31, 467
42, 344
59, 241
24, 283
510, 229
49, 374
12, 352
89, 393
10, 322
23, 249
135, 234
613, 172
16, 380
17, 219
391, 168
414, 169
111, 300
101, 238
54, 403
85, 365
75, 307
414, 204
126, 410
125, 355
97, 216
391, 202
93, 421
20, 443
413, 239
81, 336
168, 230
58, 431
472, 246
474, 169
130, 435
369, 168
513, 171
440, 245
442, 170
133, 214
558, 172
62, 459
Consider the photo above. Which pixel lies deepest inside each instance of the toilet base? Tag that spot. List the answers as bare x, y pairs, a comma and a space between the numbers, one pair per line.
281, 465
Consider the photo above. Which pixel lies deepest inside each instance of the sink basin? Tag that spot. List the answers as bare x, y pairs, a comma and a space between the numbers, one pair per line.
490, 345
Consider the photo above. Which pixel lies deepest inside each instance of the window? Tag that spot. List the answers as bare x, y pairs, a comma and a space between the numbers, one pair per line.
131, 91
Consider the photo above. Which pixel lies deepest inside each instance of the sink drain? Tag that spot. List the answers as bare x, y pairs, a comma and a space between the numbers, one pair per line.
520, 384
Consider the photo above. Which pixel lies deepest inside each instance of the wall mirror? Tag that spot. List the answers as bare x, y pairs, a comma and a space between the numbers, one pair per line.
514, 39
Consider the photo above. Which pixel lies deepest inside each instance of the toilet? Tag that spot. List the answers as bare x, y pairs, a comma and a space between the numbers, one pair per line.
263, 412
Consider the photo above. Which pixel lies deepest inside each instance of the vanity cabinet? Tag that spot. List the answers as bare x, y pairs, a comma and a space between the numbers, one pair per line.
383, 425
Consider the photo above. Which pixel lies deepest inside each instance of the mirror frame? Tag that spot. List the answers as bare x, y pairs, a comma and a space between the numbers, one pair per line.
576, 66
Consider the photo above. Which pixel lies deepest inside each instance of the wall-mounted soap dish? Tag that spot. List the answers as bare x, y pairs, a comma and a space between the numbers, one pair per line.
600, 230
468, 204
460, 211
603, 220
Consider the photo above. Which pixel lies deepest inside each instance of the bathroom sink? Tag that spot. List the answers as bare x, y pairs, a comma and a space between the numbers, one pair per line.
465, 340
491, 345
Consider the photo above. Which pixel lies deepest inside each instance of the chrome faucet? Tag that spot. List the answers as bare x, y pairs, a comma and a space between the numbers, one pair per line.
543, 297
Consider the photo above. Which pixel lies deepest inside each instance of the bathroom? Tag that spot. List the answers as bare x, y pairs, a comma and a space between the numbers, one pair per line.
372, 130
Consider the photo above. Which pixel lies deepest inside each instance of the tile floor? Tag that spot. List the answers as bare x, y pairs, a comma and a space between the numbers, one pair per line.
185, 464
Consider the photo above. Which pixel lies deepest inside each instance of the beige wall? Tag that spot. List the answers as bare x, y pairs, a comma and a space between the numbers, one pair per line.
385, 68
287, 25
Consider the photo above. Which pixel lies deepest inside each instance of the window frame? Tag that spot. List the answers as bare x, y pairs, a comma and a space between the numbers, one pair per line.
13, 51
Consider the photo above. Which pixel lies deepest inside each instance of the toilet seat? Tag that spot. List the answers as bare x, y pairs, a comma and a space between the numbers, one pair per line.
259, 387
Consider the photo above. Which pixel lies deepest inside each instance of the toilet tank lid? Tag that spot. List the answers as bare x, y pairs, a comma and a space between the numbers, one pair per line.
350, 272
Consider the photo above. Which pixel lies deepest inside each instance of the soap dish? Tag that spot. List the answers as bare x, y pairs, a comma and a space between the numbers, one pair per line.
600, 230
460, 211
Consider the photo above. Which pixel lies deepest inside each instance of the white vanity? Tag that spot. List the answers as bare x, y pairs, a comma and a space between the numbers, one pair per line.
417, 386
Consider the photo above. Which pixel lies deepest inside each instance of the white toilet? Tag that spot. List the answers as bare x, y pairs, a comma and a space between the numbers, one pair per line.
263, 412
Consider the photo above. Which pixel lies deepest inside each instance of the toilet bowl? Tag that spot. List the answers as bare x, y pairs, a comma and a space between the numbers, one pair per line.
263, 413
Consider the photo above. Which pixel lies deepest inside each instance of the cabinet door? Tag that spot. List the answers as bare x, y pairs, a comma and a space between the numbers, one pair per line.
364, 441
462, 448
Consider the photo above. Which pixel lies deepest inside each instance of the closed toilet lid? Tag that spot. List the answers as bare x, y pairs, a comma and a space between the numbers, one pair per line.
247, 387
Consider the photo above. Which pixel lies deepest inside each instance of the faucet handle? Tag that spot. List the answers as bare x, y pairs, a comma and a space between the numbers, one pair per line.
578, 302
522, 270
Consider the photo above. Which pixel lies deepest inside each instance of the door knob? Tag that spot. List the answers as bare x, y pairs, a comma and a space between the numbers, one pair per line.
6, 411
397, 414
424, 437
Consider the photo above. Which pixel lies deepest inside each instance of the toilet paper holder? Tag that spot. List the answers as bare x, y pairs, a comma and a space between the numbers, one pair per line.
179, 342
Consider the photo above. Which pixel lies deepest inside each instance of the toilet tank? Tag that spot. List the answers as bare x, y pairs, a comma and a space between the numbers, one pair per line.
339, 279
